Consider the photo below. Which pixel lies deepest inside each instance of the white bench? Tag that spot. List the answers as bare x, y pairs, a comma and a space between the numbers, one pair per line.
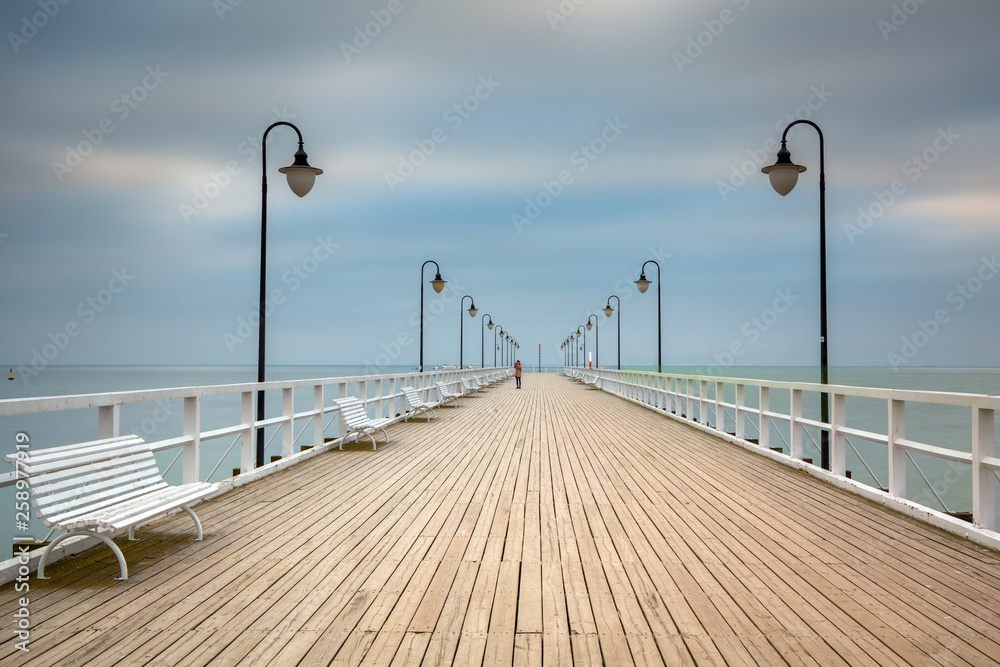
417, 406
446, 394
358, 422
469, 387
105, 485
591, 381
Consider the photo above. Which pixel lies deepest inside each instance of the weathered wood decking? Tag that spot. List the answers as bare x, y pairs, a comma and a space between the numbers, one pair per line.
549, 525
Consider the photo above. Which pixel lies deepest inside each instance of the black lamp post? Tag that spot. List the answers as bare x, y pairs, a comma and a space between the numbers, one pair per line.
643, 285
482, 337
597, 340
438, 285
783, 175
607, 311
461, 324
300, 176
580, 331
498, 329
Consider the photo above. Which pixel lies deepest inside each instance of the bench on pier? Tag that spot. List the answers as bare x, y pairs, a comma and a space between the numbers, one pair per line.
358, 422
417, 405
591, 381
446, 394
99, 487
469, 387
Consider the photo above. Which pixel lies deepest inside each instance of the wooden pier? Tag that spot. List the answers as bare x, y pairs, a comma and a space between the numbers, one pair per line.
550, 525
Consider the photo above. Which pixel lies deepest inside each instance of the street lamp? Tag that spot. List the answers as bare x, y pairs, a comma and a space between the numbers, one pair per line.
597, 339
300, 176
461, 324
438, 285
482, 337
643, 285
580, 331
784, 174
607, 311
499, 329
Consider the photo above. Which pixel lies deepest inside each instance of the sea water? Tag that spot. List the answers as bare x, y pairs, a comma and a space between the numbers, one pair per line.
937, 425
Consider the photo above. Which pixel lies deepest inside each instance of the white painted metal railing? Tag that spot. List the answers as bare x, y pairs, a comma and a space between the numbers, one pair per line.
719, 402
381, 394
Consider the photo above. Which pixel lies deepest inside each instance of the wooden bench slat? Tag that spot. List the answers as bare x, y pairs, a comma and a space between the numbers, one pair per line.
69, 510
53, 481
46, 464
91, 490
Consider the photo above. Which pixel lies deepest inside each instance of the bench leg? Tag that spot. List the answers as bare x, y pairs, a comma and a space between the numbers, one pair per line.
197, 523
102, 538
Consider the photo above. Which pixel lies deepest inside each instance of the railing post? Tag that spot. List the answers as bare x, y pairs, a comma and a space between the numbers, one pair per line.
720, 410
983, 489
763, 423
795, 427
702, 394
109, 419
897, 456
190, 465
740, 413
341, 424
288, 428
838, 441
318, 435
248, 453
379, 409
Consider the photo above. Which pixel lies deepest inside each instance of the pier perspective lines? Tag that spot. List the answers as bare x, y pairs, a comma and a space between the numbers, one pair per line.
552, 525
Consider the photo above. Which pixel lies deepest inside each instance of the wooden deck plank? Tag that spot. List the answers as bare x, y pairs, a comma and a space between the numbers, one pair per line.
550, 525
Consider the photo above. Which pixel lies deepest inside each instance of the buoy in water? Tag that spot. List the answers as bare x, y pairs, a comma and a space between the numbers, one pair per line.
11, 376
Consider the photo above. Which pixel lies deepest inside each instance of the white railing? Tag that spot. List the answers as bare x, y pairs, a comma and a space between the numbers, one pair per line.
381, 395
718, 403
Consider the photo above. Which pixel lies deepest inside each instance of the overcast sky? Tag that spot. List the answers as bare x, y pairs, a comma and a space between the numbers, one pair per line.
539, 151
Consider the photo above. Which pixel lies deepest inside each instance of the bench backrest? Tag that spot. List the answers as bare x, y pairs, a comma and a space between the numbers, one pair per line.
444, 389
73, 480
412, 397
353, 411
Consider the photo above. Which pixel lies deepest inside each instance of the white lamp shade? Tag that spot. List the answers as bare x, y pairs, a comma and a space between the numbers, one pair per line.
473, 311
300, 179
642, 284
608, 310
784, 177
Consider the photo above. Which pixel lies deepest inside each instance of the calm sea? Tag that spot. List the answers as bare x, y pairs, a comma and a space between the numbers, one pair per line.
938, 425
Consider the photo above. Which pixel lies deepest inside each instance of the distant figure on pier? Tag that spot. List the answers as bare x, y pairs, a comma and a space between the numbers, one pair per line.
517, 373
